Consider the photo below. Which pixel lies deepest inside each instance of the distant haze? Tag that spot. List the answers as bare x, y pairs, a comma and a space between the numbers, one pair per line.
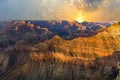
91, 10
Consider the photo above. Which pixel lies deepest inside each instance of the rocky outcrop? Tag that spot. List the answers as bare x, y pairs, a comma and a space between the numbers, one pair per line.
56, 58
88, 48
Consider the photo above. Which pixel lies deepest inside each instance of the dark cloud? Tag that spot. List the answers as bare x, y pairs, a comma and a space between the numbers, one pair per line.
88, 5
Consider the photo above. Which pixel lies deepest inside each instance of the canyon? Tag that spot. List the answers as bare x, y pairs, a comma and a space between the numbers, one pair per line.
59, 50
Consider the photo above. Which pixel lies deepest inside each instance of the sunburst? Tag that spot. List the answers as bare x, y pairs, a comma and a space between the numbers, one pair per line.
79, 19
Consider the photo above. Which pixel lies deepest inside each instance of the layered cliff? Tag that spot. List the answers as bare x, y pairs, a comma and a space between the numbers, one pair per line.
56, 58
86, 48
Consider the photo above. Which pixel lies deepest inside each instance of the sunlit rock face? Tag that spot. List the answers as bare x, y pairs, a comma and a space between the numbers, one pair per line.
88, 48
34, 50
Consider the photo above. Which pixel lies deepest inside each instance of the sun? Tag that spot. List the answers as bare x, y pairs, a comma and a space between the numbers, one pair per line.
79, 19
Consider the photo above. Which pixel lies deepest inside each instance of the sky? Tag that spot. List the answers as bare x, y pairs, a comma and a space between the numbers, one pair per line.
88, 10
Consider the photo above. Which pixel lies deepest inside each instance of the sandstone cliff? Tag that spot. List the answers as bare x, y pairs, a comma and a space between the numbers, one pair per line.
86, 48
82, 58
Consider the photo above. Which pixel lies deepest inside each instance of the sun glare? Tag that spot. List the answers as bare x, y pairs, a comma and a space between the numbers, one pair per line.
79, 19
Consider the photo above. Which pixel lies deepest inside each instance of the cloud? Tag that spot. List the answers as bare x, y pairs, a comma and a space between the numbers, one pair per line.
110, 10
99, 10
88, 5
93, 10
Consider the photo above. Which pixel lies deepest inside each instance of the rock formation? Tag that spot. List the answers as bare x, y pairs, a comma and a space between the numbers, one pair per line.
86, 48
41, 53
